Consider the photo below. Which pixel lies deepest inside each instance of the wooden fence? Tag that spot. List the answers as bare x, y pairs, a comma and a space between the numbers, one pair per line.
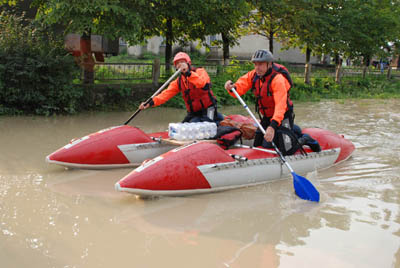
111, 73
140, 72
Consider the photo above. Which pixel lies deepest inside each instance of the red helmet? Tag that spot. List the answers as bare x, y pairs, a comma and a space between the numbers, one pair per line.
182, 56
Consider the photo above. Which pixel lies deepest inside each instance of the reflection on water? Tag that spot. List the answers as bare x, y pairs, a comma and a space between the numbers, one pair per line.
53, 217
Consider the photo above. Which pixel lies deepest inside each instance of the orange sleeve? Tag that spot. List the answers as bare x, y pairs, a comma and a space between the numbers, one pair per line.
199, 78
167, 94
244, 83
280, 87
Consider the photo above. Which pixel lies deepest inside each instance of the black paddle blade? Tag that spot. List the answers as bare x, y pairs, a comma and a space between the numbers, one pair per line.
304, 188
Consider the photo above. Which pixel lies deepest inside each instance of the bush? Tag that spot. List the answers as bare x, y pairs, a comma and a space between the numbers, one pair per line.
36, 73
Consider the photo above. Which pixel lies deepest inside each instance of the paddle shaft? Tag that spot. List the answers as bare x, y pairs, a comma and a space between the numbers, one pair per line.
302, 187
155, 94
262, 129
255, 148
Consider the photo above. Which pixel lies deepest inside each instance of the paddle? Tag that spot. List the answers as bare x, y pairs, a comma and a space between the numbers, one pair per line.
255, 148
302, 187
155, 94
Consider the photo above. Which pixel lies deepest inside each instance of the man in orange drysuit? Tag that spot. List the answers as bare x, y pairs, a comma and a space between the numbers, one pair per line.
271, 84
195, 86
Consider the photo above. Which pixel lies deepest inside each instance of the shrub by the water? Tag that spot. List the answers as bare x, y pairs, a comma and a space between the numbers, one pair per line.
36, 72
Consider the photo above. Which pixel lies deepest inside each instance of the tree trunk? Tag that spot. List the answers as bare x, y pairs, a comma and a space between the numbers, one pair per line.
338, 75
307, 71
389, 72
364, 71
168, 46
225, 48
271, 42
87, 61
366, 64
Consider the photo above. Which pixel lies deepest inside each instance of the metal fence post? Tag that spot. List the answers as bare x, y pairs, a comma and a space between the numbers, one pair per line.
156, 71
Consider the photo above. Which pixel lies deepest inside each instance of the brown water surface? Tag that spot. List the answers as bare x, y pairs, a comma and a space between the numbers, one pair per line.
54, 217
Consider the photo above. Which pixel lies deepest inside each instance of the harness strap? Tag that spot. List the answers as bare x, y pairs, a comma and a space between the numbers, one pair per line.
258, 103
207, 87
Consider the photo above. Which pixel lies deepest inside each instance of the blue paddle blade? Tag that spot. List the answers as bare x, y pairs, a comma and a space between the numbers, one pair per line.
304, 188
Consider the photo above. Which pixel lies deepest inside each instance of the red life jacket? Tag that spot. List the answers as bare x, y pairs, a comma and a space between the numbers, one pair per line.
196, 99
265, 103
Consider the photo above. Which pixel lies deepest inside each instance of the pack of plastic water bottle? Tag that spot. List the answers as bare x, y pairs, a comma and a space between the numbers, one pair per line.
192, 131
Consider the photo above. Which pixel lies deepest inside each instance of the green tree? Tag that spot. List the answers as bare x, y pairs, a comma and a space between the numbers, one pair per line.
110, 18
225, 17
175, 20
19, 7
169, 19
307, 25
184, 20
349, 28
267, 19
369, 26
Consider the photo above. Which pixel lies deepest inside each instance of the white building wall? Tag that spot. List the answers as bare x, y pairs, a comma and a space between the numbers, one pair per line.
135, 50
154, 45
250, 43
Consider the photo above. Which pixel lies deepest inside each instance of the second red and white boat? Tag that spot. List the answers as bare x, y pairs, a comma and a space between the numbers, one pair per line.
202, 167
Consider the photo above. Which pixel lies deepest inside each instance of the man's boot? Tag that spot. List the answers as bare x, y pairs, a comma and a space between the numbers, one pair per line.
307, 140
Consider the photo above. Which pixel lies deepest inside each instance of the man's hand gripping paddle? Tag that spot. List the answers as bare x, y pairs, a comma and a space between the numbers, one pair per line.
302, 187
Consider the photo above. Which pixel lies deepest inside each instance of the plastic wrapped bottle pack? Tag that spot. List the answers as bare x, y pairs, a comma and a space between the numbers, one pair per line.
192, 131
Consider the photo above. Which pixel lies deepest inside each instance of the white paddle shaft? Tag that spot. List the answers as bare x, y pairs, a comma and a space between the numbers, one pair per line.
165, 84
261, 128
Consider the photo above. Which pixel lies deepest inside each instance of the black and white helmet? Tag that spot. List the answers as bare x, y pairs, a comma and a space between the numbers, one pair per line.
262, 55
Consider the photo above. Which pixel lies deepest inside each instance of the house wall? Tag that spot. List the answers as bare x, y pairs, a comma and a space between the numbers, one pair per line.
250, 43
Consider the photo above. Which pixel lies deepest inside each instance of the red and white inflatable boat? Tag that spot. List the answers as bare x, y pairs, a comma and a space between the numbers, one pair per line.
117, 147
114, 147
202, 167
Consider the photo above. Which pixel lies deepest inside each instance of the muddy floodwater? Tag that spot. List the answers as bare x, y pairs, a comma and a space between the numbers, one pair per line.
54, 217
